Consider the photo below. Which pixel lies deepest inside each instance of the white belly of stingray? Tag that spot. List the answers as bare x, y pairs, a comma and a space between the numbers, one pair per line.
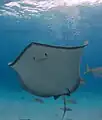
48, 71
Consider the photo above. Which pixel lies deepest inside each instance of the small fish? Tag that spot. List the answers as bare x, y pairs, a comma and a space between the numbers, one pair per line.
82, 81
24, 119
71, 101
67, 109
95, 71
39, 100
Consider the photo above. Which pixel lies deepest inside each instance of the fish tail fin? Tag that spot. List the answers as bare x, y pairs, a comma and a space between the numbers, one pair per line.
87, 69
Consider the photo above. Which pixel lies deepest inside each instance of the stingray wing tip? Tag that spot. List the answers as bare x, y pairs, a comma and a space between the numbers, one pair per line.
10, 64
86, 42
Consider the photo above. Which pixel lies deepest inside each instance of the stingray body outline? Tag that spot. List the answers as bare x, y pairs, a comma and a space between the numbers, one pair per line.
45, 45
18, 68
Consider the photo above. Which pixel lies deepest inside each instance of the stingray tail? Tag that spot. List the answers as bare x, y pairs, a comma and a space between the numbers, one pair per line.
64, 107
87, 69
57, 96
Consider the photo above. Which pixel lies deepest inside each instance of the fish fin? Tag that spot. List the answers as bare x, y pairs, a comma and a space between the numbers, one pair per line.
69, 109
87, 69
82, 81
71, 101
56, 97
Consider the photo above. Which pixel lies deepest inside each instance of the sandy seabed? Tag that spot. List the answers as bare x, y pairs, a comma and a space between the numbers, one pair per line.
21, 105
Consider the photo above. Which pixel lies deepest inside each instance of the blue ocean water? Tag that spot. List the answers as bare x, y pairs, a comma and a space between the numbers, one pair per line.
55, 23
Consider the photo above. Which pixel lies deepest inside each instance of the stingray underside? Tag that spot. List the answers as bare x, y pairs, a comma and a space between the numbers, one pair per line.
46, 70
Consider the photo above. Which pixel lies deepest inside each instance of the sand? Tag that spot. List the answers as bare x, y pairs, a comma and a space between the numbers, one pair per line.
20, 105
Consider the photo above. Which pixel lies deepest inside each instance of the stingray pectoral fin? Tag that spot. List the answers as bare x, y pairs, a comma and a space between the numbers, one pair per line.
56, 97
10, 64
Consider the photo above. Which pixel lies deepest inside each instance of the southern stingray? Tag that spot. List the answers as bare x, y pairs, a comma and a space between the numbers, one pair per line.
46, 70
